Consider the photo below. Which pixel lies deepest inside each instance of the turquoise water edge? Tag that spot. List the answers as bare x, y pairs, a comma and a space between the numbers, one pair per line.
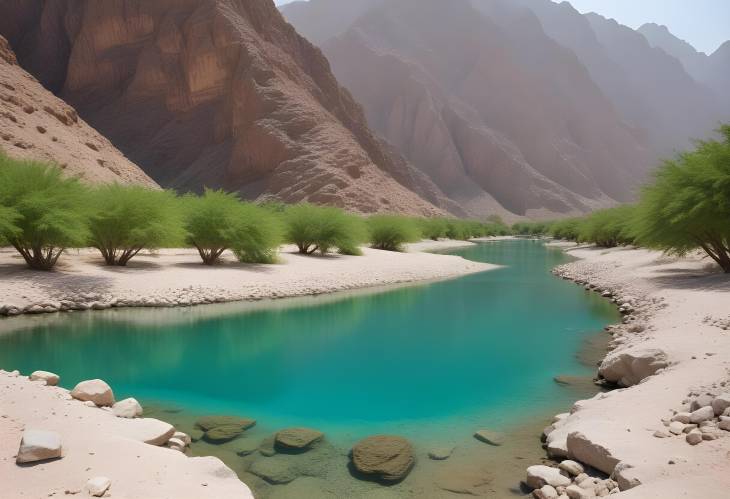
431, 362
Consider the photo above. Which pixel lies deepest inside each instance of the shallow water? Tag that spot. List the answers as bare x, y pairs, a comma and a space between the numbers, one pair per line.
433, 362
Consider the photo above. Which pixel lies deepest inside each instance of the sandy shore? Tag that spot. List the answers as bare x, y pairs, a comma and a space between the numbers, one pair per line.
676, 327
177, 278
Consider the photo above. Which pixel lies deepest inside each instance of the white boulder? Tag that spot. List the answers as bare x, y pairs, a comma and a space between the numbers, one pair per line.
183, 437
51, 379
625, 476
541, 475
546, 492
39, 445
127, 408
571, 467
576, 492
583, 449
676, 427
98, 486
628, 368
149, 430
94, 390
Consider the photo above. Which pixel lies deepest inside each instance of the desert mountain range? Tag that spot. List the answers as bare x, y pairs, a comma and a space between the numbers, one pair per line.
471, 107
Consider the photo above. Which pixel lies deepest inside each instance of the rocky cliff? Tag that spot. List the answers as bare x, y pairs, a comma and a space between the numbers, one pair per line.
217, 93
494, 111
35, 124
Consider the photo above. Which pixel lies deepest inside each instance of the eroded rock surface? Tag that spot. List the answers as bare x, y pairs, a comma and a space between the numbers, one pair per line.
383, 457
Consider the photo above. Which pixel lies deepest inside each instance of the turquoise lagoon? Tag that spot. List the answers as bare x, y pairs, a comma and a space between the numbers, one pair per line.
433, 362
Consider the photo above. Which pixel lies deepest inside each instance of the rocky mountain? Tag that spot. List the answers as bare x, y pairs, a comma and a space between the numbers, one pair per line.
484, 103
35, 124
217, 93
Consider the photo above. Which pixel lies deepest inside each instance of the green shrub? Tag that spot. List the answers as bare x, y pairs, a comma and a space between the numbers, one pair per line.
458, 229
46, 213
567, 229
217, 221
320, 228
688, 204
391, 232
433, 228
531, 228
126, 219
608, 228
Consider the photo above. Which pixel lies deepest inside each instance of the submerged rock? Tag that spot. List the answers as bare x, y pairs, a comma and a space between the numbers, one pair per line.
441, 453
94, 390
383, 457
274, 470
221, 429
244, 446
222, 434
298, 438
305, 487
39, 445
489, 437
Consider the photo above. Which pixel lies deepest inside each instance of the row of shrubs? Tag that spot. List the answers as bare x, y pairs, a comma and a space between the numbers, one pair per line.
685, 207
42, 213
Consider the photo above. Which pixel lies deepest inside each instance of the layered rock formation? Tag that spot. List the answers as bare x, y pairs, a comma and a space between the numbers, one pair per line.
217, 93
489, 107
35, 124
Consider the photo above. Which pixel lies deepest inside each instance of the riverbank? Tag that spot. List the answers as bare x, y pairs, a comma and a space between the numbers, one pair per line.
171, 278
670, 357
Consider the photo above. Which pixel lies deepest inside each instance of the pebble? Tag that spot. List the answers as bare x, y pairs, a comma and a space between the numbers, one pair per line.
98, 486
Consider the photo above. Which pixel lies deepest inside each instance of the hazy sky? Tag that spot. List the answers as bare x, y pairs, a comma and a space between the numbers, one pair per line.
703, 23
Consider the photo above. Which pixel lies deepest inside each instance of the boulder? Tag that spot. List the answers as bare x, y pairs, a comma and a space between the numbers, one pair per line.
489, 437
724, 424
244, 446
95, 390
183, 437
682, 417
98, 486
694, 437
625, 476
676, 428
721, 403
127, 408
541, 475
702, 414
39, 445
222, 434
209, 422
571, 467
628, 368
274, 470
298, 438
546, 492
576, 492
582, 449
702, 401
149, 430
383, 457
51, 379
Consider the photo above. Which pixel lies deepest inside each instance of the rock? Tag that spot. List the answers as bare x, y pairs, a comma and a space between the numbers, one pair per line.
127, 408
703, 400
694, 437
383, 457
489, 437
209, 422
176, 444
298, 438
576, 492
307, 487
97, 486
676, 427
89, 403
545, 492
702, 414
94, 390
222, 434
149, 430
582, 449
721, 403
724, 424
682, 417
625, 476
689, 427
244, 446
628, 368
183, 437
274, 470
571, 467
540, 475
196, 434
39, 445
51, 379
662, 434
440, 453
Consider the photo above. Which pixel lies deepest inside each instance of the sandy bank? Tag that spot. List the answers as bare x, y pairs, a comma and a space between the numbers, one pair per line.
177, 278
675, 327
96, 443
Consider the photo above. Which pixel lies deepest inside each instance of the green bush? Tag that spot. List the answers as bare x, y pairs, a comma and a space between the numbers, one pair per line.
127, 219
320, 228
217, 221
46, 213
459, 230
688, 204
608, 228
433, 228
568, 229
391, 232
531, 228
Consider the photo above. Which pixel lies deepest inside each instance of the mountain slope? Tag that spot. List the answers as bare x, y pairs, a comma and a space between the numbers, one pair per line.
35, 124
218, 93
490, 114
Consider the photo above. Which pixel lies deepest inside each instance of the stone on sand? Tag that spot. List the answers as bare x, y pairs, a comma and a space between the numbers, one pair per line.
489, 437
95, 390
546, 492
38, 445
97, 486
51, 379
149, 430
721, 403
540, 475
383, 457
440, 453
127, 408
628, 368
571, 467
582, 448
702, 414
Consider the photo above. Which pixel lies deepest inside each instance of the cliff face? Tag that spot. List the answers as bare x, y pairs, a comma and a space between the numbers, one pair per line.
35, 124
217, 93
492, 115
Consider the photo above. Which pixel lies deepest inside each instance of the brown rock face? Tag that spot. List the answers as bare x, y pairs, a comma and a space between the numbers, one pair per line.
217, 93
35, 124
489, 107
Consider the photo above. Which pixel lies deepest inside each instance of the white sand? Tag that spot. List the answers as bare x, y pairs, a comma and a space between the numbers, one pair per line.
623, 422
177, 277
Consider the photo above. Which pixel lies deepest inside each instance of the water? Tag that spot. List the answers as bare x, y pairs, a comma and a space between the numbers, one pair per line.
431, 362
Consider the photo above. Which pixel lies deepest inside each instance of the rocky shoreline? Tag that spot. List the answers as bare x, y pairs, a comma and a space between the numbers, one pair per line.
610, 444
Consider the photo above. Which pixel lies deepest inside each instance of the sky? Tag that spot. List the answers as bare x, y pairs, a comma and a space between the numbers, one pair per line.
703, 23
